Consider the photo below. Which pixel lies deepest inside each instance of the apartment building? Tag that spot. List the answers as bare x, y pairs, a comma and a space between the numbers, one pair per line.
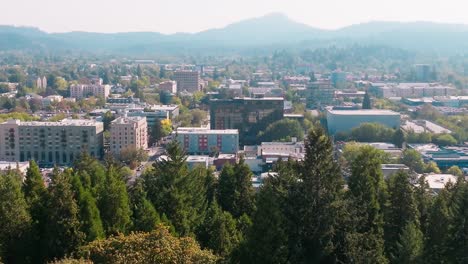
50, 143
80, 91
203, 141
128, 132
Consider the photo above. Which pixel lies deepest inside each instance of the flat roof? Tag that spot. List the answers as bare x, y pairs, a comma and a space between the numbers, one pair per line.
202, 130
64, 122
363, 112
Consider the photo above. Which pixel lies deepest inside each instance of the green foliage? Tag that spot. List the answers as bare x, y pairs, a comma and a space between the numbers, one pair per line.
159, 246
176, 192
410, 246
399, 138
444, 140
15, 219
282, 130
235, 191
369, 132
457, 238
144, 216
63, 229
413, 160
455, 170
366, 103
437, 230
114, 204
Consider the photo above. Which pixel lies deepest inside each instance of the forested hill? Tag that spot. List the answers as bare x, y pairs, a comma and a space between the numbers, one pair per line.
269, 32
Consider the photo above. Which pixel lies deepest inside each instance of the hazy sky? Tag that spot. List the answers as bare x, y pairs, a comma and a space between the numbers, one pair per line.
171, 16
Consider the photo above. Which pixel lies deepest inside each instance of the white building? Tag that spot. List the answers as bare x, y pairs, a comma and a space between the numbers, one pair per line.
80, 91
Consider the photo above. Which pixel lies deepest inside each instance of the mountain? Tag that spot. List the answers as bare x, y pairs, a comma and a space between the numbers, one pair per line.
262, 34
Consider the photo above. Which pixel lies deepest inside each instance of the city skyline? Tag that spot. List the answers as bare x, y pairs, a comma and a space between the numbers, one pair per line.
183, 16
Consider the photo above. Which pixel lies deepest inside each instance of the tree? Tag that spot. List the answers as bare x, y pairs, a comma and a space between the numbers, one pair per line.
156, 132
176, 192
315, 202
132, 156
409, 248
400, 212
235, 191
282, 130
158, 246
444, 140
368, 193
14, 219
457, 238
90, 217
437, 229
431, 167
36, 194
366, 103
455, 170
219, 231
398, 138
139, 71
144, 216
62, 232
413, 160
107, 119
114, 204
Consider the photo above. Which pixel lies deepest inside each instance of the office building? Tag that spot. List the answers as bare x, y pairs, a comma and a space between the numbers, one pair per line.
128, 132
444, 157
245, 114
153, 113
80, 91
320, 94
50, 143
338, 79
423, 72
203, 141
346, 120
188, 81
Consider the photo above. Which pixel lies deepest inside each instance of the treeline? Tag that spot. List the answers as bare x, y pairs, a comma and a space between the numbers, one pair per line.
306, 213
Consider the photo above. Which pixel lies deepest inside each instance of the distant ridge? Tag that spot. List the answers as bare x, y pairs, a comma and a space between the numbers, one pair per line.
268, 32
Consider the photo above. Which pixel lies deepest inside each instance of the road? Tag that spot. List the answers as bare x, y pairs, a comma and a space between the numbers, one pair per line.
153, 154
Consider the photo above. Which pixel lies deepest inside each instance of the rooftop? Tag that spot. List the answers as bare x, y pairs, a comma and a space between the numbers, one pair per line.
198, 130
364, 112
64, 122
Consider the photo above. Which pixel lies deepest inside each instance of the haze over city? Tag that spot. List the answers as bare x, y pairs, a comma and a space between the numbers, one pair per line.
195, 16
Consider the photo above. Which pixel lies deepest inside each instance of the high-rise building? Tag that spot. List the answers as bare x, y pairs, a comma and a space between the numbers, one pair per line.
338, 79
423, 72
128, 132
41, 83
188, 81
320, 94
50, 143
80, 91
202, 141
248, 115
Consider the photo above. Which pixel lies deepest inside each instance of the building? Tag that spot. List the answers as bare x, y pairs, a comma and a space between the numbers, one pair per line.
50, 143
41, 83
245, 114
444, 157
423, 72
128, 132
153, 113
80, 91
46, 101
390, 169
198, 161
168, 86
22, 167
437, 182
320, 93
411, 90
203, 141
346, 120
422, 126
123, 100
188, 81
338, 79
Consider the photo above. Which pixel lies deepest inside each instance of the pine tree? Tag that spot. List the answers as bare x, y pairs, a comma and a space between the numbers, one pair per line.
139, 71
423, 201
176, 192
368, 194
398, 138
15, 220
409, 248
114, 204
457, 243
400, 212
36, 196
219, 232
366, 103
235, 193
62, 232
90, 217
144, 216
437, 229
315, 202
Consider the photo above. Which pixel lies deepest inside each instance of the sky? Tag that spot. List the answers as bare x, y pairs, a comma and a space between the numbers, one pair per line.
170, 16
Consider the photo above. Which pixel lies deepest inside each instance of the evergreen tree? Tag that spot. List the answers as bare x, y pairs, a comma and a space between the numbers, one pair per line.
457, 244
114, 204
14, 219
36, 195
90, 217
62, 232
398, 138
423, 201
144, 216
176, 192
366, 102
409, 248
368, 194
400, 212
437, 229
315, 202
219, 232
139, 71
236, 194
